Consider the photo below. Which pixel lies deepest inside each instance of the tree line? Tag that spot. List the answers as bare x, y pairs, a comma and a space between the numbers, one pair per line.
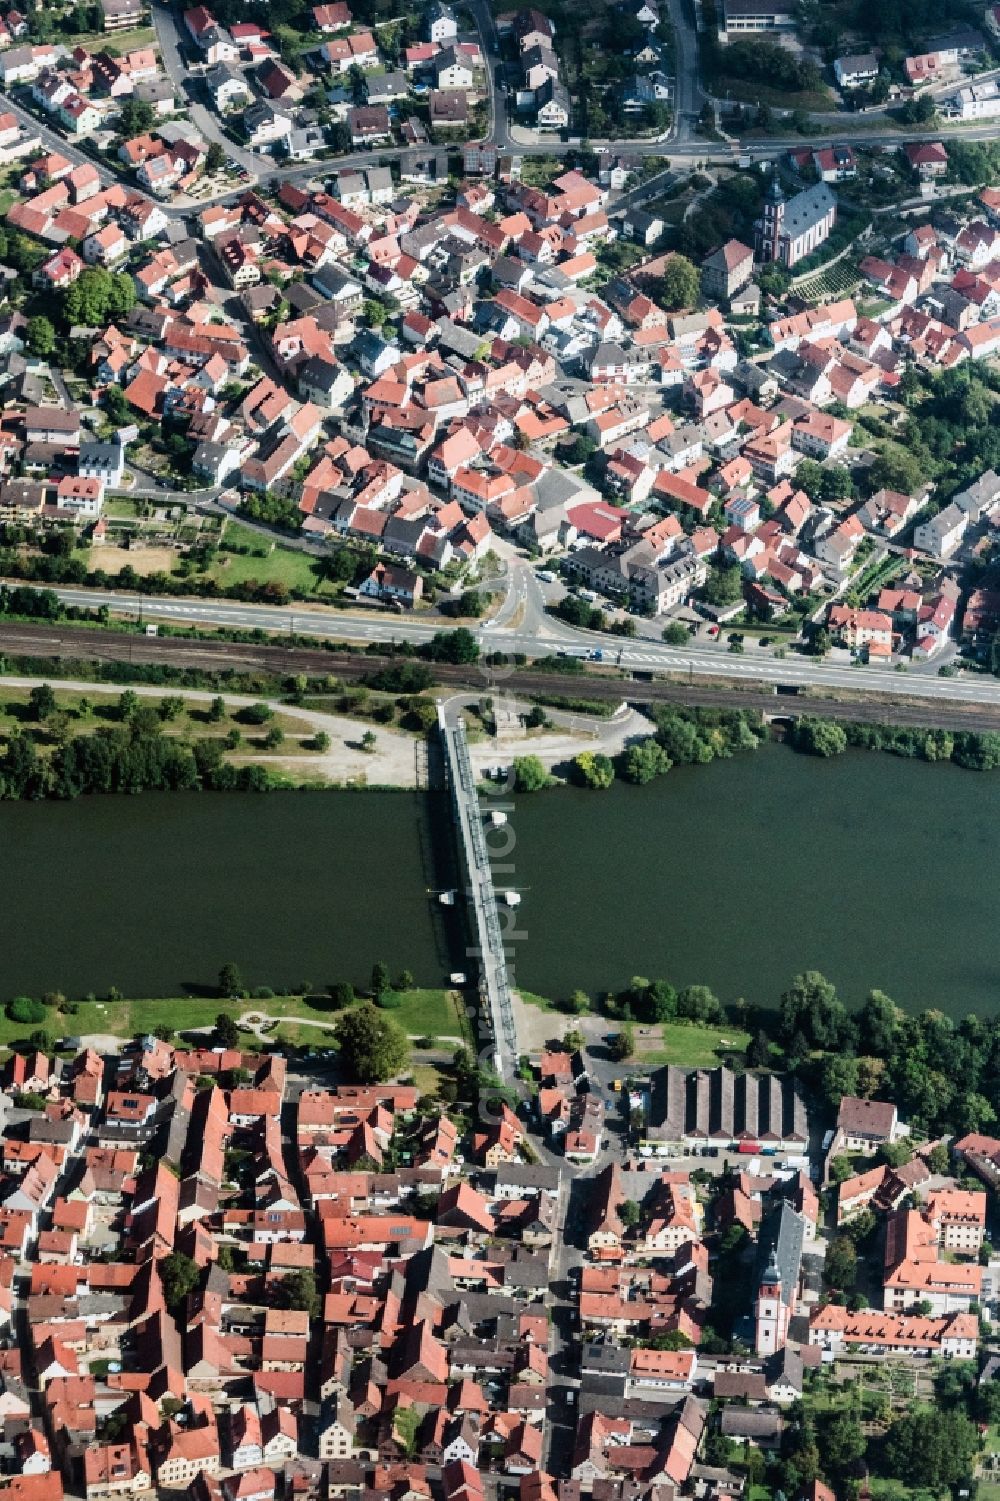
134, 756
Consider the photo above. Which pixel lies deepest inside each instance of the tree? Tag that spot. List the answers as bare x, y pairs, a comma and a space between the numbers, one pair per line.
622, 1045
342, 995
41, 702
226, 1031
231, 984
878, 1023
471, 603
937, 1158
812, 1007
697, 1003
841, 1168
373, 1047
676, 634
840, 1077
841, 1444
217, 710
724, 585
896, 469
180, 1275
170, 707
98, 295
529, 774
459, 646
840, 1268
380, 977
275, 736
215, 158
297, 1290
759, 1050
258, 713
680, 284
320, 742
135, 116
629, 1214
128, 702
644, 761
930, 1447
818, 737
41, 336
594, 770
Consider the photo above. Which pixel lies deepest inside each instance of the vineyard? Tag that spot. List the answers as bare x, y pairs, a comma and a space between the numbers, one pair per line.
829, 285
876, 576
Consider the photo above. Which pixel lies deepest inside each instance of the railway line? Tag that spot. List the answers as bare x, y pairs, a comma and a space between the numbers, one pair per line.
64, 643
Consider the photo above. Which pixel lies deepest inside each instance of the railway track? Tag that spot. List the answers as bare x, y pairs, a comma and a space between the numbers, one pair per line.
60, 641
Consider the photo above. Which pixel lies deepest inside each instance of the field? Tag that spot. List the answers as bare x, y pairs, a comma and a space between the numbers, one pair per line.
421, 1013
144, 560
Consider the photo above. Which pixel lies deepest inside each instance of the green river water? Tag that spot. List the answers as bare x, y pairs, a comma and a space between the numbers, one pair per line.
877, 871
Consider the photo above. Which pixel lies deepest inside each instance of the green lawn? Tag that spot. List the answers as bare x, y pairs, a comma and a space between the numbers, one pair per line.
121, 41
296, 570
542, 1002
119, 507
690, 1046
751, 92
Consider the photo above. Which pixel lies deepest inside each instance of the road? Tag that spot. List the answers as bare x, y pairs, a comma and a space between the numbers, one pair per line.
689, 96
186, 83
547, 637
681, 145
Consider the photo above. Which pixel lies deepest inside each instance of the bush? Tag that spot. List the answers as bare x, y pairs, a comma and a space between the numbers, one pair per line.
530, 774
402, 677
818, 737
25, 1010
256, 714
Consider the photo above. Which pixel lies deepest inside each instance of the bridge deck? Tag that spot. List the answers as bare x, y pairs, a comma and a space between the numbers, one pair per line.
497, 1024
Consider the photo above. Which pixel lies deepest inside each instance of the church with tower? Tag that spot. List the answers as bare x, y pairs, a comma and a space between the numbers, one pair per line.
789, 229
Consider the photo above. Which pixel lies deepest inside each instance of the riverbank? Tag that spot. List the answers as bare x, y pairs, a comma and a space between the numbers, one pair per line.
317, 746
275, 1021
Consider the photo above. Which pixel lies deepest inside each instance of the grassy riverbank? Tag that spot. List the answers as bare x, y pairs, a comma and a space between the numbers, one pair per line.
420, 1012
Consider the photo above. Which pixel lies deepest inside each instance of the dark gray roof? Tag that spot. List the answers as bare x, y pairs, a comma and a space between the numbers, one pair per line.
783, 1233
607, 1360
808, 208
318, 374
528, 1175
751, 1422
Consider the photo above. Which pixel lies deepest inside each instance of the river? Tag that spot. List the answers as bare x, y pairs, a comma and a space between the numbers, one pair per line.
875, 870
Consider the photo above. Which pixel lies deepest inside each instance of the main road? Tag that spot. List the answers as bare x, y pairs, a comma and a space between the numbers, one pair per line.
546, 637
680, 145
